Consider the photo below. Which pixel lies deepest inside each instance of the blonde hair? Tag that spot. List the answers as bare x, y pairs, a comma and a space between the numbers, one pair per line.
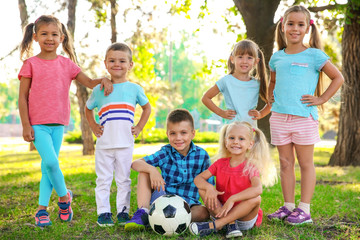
314, 41
31, 28
251, 48
258, 157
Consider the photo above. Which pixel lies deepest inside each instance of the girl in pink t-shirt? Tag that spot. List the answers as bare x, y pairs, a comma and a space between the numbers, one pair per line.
244, 165
45, 107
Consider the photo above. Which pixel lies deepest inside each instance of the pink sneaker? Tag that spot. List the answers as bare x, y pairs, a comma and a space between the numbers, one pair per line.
280, 214
65, 210
298, 217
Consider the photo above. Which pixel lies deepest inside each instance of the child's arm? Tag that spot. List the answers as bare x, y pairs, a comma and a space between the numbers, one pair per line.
28, 131
271, 87
88, 82
337, 80
156, 179
206, 99
251, 192
260, 114
135, 130
95, 128
210, 192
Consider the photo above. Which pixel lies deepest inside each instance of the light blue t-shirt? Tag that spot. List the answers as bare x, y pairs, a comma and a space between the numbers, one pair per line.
116, 113
296, 75
240, 96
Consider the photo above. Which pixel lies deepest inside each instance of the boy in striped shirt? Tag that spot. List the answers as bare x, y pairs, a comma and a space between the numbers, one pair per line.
115, 133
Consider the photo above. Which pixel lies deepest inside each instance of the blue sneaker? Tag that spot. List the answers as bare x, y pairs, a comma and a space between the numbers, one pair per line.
123, 217
105, 220
42, 219
233, 231
65, 210
138, 221
201, 229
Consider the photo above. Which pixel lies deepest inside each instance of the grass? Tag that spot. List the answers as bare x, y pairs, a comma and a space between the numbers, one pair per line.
335, 205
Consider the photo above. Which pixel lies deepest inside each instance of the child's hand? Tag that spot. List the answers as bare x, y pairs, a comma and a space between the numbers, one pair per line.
211, 199
135, 131
271, 98
226, 208
156, 180
228, 114
255, 114
311, 100
97, 130
107, 85
28, 134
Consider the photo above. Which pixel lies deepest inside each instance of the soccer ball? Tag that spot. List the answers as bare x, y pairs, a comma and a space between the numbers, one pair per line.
169, 215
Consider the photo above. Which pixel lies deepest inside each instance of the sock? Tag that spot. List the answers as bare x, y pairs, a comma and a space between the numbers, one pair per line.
290, 206
305, 207
145, 209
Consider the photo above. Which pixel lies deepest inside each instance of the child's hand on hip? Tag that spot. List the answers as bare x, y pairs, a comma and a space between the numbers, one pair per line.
228, 114
311, 100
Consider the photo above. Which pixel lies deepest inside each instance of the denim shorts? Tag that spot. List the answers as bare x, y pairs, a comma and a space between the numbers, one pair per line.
246, 225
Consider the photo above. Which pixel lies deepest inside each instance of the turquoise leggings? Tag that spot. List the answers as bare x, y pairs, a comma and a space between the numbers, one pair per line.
48, 141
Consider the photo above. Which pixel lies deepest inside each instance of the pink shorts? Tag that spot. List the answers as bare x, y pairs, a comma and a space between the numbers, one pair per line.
286, 128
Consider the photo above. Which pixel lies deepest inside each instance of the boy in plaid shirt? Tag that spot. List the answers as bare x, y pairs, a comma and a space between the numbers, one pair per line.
180, 162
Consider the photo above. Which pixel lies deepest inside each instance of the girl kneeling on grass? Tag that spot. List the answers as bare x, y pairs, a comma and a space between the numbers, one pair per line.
243, 157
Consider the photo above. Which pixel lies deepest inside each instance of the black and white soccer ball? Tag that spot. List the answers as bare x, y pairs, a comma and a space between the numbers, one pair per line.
169, 215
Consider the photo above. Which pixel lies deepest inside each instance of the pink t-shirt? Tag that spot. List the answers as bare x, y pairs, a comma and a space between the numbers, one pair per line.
49, 91
232, 180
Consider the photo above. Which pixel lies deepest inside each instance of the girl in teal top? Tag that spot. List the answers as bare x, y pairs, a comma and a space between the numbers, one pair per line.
240, 88
295, 83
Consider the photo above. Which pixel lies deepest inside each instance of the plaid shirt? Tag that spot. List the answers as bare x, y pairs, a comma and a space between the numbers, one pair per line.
179, 172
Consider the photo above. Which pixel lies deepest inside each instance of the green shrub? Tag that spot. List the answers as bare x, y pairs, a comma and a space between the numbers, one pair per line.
155, 135
206, 137
73, 137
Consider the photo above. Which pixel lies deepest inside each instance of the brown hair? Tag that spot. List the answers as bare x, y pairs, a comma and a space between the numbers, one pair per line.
31, 28
119, 47
314, 42
179, 115
251, 48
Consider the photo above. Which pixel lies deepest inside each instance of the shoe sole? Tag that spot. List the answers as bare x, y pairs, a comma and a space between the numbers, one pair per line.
134, 227
304, 222
234, 235
191, 230
105, 225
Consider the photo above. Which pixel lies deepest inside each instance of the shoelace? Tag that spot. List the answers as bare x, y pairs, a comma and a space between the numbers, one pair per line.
138, 213
107, 215
123, 213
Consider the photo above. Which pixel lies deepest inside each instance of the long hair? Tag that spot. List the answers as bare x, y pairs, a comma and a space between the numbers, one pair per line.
258, 157
251, 48
26, 44
314, 41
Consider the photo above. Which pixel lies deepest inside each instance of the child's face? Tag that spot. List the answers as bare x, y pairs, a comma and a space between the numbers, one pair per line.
295, 27
118, 64
49, 37
237, 141
180, 136
244, 63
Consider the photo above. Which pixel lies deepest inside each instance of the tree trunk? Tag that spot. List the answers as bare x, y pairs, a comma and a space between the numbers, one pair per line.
114, 10
81, 92
347, 149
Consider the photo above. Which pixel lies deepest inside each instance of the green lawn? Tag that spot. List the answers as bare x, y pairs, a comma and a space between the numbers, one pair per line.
335, 206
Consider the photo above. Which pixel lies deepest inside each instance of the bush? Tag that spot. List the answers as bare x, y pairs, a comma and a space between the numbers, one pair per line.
157, 135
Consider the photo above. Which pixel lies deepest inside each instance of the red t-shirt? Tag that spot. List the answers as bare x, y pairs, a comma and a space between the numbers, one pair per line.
232, 180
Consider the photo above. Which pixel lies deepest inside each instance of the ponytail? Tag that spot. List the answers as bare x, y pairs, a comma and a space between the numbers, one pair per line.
68, 44
262, 76
26, 49
279, 36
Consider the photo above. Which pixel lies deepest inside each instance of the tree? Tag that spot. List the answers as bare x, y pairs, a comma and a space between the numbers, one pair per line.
347, 149
81, 92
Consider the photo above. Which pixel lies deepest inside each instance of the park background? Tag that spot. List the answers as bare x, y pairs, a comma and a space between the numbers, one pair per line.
180, 50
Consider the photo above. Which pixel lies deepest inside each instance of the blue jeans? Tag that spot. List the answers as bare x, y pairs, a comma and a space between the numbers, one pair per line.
48, 141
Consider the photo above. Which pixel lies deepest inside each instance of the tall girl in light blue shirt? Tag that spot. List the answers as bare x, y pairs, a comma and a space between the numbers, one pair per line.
295, 89
240, 88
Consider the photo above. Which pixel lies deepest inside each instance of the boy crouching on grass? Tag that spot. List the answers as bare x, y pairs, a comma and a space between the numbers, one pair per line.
180, 162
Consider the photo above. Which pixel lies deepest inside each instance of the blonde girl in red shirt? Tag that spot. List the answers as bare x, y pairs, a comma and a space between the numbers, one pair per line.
243, 166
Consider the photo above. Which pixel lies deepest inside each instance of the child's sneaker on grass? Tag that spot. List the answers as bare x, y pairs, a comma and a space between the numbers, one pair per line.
201, 229
233, 231
138, 221
65, 210
105, 220
280, 214
123, 217
42, 218
298, 217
